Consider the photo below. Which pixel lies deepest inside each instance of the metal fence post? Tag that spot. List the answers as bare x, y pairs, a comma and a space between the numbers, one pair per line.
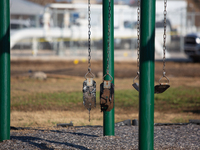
108, 117
146, 95
4, 70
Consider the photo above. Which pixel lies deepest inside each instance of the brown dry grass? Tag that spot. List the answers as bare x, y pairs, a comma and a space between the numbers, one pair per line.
79, 118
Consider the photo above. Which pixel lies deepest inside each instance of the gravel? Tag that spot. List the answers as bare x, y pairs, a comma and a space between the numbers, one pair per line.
91, 137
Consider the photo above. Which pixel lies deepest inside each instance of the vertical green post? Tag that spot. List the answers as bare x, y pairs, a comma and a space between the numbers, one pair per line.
4, 70
108, 116
146, 95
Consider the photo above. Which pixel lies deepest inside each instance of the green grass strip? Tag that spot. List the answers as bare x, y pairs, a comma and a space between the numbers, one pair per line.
174, 98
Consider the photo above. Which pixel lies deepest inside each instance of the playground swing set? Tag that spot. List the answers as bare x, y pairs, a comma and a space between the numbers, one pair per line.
145, 72
89, 85
162, 86
107, 87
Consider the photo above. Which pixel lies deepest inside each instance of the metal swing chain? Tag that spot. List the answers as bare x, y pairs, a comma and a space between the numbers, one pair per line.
135, 85
108, 40
164, 35
138, 37
89, 38
89, 42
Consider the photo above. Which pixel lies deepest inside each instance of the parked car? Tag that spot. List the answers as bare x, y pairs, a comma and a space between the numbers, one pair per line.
192, 46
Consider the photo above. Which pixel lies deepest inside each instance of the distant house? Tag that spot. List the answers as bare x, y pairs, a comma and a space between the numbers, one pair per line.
25, 11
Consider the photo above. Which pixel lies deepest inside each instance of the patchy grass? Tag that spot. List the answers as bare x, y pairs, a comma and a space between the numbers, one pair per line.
59, 98
179, 99
47, 101
176, 99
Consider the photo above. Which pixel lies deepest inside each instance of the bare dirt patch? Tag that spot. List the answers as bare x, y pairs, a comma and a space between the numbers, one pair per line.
122, 69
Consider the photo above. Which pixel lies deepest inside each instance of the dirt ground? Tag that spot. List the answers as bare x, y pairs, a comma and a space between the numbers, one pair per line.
180, 74
122, 69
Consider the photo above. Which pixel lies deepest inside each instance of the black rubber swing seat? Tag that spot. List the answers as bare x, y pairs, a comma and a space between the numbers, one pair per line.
157, 89
161, 88
136, 86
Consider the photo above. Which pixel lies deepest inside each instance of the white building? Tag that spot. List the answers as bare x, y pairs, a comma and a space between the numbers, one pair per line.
25, 11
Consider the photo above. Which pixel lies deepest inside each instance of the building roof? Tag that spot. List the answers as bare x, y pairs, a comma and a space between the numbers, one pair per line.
23, 7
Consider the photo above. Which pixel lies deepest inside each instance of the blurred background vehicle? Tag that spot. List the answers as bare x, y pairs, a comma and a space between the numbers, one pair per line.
192, 46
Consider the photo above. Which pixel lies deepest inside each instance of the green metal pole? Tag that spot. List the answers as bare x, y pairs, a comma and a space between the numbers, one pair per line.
108, 116
146, 95
4, 70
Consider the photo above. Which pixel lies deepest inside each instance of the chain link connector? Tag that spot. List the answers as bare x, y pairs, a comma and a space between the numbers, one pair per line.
137, 76
89, 72
108, 75
164, 76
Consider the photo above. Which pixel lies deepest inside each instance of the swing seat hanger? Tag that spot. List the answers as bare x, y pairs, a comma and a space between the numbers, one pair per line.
89, 73
109, 76
163, 86
107, 83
